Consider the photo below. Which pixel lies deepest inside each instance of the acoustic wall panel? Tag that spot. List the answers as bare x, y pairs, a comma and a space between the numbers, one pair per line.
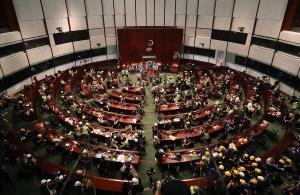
245, 23
99, 58
95, 22
141, 7
150, 20
224, 8
170, 7
203, 33
55, 8
272, 9
10, 37
297, 94
245, 8
192, 6
222, 23
236, 67
191, 21
82, 62
293, 37
76, 8
159, 20
93, 7
201, 58
130, 20
239, 49
206, 7
14, 62
109, 21
254, 73
110, 32
108, 7
18, 87
112, 56
96, 32
203, 38
287, 63
111, 41
32, 28
261, 54
286, 89
268, 28
180, 20
188, 56
120, 20
119, 7
181, 6
130, 6
39, 54
53, 24
141, 20
219, 45
189, 41
150, 7
78, 23
159, 7
202, 42
28, 9
205, 21
81, 45
169, 20
98, 42
212, 60
190, 32
63, 49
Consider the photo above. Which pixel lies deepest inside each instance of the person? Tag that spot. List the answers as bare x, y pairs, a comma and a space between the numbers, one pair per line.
194, 190
150, 172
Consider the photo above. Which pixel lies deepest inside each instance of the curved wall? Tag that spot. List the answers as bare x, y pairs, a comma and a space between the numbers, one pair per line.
214, 31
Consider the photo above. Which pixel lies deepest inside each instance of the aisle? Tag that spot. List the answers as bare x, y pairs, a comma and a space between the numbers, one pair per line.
149, 118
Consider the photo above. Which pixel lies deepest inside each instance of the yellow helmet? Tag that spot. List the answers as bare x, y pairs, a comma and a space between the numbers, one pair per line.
257, 170
235, 172
254, 164
227, 173
222, 147
289, 161
252, 158
253, 181
281, 161
246, 155
242, 181
220, 155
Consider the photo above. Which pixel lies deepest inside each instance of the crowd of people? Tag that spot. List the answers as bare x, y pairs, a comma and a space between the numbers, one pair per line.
243, 172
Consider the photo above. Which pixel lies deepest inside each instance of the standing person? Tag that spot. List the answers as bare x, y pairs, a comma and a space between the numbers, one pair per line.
150, 172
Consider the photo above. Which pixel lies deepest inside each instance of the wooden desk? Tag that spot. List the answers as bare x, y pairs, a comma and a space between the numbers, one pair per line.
131, 109
129, 98
112, 155
136, 90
